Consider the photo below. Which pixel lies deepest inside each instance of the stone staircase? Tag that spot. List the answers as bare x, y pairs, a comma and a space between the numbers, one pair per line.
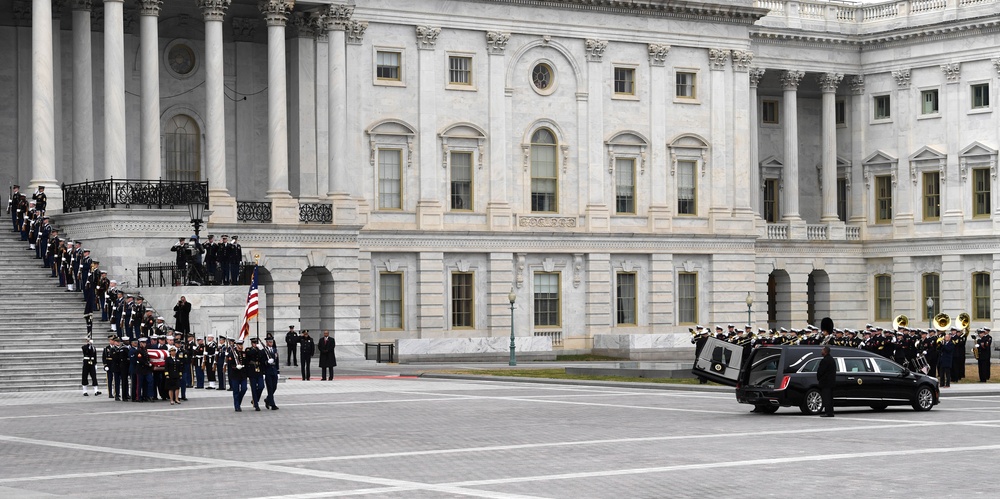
41, 325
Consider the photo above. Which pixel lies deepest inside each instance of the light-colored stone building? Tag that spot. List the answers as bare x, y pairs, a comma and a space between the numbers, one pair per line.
620, 167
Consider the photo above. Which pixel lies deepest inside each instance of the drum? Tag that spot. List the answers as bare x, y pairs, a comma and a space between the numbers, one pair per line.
920, 364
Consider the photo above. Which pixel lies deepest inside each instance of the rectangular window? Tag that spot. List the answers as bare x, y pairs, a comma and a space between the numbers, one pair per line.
686, 88
686, 188
842, 199
932, 196
461, 300
769, 112
390, 179
461, 181
547, 299
929, 101
981, 296
624, 186
980, 95
981, 192
625, 293
390, 309
770, 198
459, 70
883, 110
840, 112
687, 297
932, 290
883, 199
543, 178
625, 81
387, 65
883, 297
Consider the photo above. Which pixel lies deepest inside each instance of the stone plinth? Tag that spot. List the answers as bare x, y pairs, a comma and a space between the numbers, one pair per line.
660, 346
472, 349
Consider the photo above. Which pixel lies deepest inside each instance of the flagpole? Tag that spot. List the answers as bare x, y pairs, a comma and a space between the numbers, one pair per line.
256, 318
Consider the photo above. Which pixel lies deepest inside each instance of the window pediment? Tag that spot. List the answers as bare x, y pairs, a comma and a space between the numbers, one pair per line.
688, 147
879, 163
977, 154
464, 137
627, 144
925, 159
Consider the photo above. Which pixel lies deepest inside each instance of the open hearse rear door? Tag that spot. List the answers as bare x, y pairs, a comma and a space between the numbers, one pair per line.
719, 361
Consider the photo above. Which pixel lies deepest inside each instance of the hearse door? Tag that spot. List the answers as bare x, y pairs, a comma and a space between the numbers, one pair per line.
719, 361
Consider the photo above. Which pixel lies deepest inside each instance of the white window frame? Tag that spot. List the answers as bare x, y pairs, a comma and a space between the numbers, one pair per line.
465, 87
386, 82
875, 120
921, 115
989, 93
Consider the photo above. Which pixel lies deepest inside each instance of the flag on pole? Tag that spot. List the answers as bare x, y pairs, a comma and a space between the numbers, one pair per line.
251, 310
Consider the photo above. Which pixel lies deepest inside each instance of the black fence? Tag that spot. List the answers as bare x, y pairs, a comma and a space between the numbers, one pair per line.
253, 211
151, 275
380, 352
112, 193
316, 212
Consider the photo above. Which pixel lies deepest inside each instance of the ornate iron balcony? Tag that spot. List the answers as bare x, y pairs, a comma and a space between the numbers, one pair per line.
112, 193
316, 212
253, 211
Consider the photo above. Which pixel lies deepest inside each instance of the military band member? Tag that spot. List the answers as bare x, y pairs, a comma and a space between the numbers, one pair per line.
236, 363
985, 345
958, 338
89, 367
123, 368
271, 372
110, 366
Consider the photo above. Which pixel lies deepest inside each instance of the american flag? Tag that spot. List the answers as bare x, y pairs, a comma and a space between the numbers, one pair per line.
251, 310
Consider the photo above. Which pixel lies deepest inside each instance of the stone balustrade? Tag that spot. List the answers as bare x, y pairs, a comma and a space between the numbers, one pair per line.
777, 231
856, 18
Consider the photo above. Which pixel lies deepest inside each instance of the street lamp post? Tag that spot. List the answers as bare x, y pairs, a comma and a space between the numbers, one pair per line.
197, 211
930, 312
513, 356
749, 306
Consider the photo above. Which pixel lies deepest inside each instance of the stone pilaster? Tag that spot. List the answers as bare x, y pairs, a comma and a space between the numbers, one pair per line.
430, 211
114, 89
755, 75
790, 125
498, 211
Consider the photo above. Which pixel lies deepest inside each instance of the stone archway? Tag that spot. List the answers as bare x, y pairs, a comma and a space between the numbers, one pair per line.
316, 300
779, 303
817, 297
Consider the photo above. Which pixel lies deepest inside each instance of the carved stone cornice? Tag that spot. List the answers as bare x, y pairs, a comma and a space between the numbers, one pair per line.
996, 64
952, 72
243, 28
658, 54
276, 11
742, 60
902, 77
858, 84
21, 11
595, 49
214, 10
496, 42
81, 4
151, 7
790, 79
355, 31
828, 82
756, 74
427, 37
717, 59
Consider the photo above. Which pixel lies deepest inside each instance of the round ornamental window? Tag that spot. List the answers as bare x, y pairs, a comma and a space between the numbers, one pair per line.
543, 78
181, 59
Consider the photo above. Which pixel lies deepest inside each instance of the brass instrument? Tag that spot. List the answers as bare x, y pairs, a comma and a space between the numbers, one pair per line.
964, 319
900, 321
942, 322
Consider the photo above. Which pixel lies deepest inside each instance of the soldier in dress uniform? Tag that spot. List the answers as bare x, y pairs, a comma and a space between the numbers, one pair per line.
271, 372
255, 371
198, 358
110, 366
83, 273
291, 340
235, 258
138, 314
15, 194
41, 201
220, 361
222, 255
958, 337
236, 362
985, 345
212, 259
123, 368
89, 367
209, 360
184, 358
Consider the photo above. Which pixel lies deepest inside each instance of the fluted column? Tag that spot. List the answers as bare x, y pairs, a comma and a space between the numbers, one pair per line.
43, 141
276, 16
340, 189
83, 94
149, 86
790, 83
755, 186
114, 89
828, 83
214, 12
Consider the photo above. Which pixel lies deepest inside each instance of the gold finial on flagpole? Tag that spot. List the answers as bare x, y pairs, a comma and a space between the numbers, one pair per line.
256, 259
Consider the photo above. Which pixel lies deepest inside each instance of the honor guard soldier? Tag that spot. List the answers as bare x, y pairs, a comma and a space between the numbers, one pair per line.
89, 367
271, 372
255, 371
183, 359
15, 194
110, 366
209, 361
984, 343
199, 363
236, 362
235, 258
41, 201
222, 255
212, 259
220, 361
122, 369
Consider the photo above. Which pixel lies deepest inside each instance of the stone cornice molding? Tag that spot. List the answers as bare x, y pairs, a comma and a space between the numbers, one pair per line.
952, 72
595, 49
658, 54
717, 59
756, 74
427, 37
81, 4
790, 79
684, 9
496, 42
902, 77
828, 82
243, 28
742, 60
378, 240
922, 34
214, 10
858, 84
276, 11
151, 7
355, 31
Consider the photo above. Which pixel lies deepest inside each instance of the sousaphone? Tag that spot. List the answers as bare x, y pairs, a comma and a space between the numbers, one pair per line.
942, 322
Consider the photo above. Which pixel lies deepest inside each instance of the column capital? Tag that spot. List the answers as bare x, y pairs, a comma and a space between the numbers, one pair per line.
658, 54
81, 4
308, 24
213, 10
902, 77
57, 8
790, 79
427, 37
496, 42
276, 11
952, 72
243, 28
595, 49
355, 31
828, 82
996, 64
150, 7
858, 84
742, 60
22, 13
755, 76
337, 16
717, 59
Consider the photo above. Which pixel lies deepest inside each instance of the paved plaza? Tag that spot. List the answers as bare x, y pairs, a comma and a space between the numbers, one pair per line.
372, 433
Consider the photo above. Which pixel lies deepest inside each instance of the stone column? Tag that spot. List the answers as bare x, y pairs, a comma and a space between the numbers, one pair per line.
302, 173
83, 94
857, 215
429, 208
498, 210
755, 185
659, 207
114, 89
149, 86
952, 218
790, 83
339, 190
743, 110
43, 140
591, 125
62, 171
828, 83
222, 204
717, 182
283, 207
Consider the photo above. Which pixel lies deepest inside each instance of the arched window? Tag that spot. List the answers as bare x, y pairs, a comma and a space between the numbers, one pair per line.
182, 146
544, 172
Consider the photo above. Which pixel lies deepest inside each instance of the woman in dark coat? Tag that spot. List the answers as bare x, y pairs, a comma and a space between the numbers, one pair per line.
327, 356
172, 375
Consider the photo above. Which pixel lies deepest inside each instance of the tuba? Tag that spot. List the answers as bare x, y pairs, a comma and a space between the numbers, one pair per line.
900, 321
964, 319
942, 322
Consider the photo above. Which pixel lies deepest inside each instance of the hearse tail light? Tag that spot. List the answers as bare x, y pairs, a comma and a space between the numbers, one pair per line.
784, 382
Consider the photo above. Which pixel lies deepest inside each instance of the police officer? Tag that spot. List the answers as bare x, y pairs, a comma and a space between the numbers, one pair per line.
307, 347
271, 372
89, 367
292, 339
236, 362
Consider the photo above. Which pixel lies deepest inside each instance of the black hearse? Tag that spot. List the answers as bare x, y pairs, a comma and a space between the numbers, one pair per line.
769, 377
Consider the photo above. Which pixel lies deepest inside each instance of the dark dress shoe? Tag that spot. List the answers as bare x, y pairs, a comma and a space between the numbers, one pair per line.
274, 408
239, 410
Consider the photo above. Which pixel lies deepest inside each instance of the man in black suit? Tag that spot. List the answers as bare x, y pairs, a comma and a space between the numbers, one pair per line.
826, 373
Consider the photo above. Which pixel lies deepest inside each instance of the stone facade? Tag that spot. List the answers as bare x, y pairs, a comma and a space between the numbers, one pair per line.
620, 168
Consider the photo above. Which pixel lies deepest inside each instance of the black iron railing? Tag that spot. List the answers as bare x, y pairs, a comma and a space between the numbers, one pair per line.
316, 212
112, 193
253, 211
380, 352
151, 275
